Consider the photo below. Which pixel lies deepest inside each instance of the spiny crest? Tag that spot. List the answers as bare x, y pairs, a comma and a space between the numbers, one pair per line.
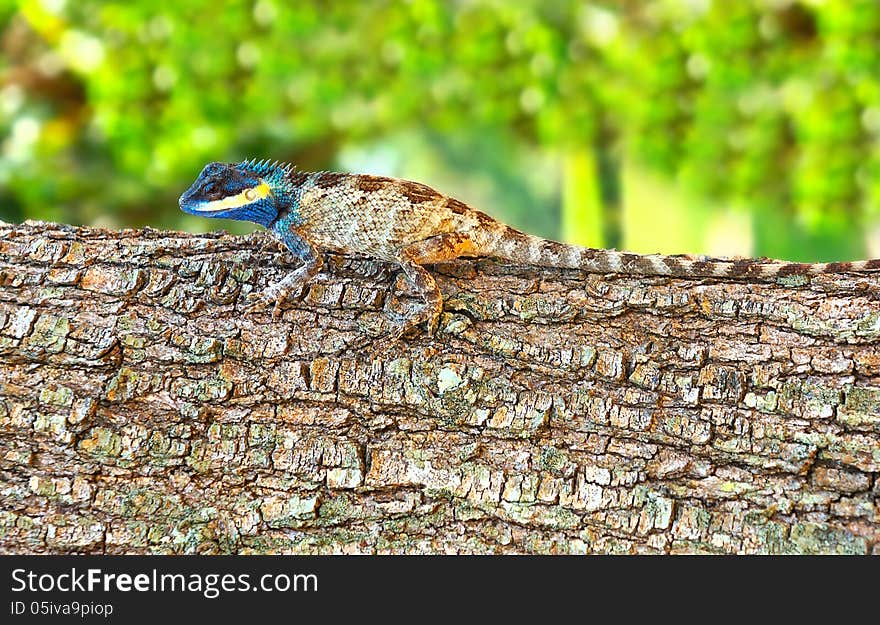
276, 173
266, 168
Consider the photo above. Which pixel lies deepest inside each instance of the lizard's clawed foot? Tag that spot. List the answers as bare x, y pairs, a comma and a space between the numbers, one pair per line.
260, 301
276, 294
395, 333
386, 342
408, 323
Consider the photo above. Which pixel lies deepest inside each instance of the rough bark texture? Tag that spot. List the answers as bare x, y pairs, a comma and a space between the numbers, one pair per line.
555, 412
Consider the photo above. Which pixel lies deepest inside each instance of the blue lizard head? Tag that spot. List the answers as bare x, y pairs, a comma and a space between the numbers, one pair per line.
230, 191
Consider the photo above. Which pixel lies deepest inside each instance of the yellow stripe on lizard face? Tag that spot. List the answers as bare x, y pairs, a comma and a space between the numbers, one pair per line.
235, 201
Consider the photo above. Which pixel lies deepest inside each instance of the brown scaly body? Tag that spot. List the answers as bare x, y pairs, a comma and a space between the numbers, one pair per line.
380, 216
412, 224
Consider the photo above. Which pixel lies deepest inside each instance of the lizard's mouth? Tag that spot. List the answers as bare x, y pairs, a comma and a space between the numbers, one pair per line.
186, 200
189, 202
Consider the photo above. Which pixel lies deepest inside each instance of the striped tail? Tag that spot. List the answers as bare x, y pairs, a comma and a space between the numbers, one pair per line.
510, 244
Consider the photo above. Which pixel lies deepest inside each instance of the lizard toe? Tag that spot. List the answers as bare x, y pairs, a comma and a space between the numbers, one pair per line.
256, 302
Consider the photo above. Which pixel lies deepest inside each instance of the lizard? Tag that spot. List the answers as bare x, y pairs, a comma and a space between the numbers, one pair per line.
412, 224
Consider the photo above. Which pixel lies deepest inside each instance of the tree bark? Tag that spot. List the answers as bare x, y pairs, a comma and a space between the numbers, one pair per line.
554, 412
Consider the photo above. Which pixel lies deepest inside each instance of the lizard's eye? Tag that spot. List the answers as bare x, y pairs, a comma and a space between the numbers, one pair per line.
209, 187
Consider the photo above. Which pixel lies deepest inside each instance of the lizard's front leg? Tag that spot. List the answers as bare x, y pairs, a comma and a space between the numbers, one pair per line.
436, 249
276, 294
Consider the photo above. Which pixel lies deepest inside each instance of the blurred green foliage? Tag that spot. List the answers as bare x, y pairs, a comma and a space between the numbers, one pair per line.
542, 109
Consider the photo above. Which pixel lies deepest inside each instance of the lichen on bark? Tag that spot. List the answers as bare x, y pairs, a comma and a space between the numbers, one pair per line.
553, 412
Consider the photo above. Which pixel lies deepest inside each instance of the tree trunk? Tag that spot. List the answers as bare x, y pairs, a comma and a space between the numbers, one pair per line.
554, 412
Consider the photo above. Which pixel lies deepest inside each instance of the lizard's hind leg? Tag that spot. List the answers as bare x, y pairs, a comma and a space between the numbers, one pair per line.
436, 249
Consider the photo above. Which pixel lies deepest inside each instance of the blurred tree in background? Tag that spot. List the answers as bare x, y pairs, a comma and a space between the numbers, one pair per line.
659, 125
